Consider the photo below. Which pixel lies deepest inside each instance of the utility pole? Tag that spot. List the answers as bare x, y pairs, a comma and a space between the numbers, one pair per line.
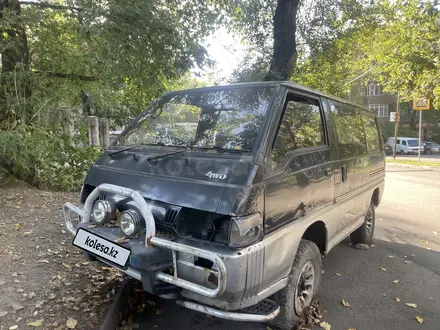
420, 133
396, 125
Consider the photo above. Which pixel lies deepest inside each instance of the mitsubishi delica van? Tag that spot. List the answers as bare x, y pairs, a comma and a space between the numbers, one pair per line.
226, 198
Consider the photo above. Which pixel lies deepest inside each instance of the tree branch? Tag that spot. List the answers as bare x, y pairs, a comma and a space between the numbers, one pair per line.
49, 5
68, 75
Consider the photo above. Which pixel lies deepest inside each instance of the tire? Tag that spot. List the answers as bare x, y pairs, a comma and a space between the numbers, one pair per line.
429, 152
402, 152
364, 234
307, 255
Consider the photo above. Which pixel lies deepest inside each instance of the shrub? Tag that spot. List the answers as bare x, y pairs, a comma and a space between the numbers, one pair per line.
46, 158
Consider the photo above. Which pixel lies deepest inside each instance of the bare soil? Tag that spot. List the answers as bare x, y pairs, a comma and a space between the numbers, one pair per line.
44, 280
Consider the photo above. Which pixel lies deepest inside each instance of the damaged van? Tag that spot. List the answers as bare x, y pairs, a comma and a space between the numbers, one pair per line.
226, 198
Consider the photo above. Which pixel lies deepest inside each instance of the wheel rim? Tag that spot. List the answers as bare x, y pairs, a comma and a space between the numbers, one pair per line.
369, 221
305, 287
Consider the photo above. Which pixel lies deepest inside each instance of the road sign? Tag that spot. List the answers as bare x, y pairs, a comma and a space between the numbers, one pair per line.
421, 104
393, 116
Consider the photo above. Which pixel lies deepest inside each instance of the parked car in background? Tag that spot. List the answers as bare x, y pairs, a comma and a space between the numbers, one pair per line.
388, 149
405, 145
431, 147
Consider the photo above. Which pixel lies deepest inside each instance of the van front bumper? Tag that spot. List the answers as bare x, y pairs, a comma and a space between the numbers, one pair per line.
164, 265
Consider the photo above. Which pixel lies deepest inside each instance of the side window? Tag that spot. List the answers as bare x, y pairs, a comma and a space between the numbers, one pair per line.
404, 142
371, 132
398, 142
350, 130
300, 127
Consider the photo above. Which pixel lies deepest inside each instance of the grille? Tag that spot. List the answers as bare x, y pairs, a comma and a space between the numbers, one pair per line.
171, 216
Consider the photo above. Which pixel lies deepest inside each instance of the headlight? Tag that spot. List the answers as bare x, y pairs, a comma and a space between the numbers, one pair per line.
130, 222
245, 230
102, 211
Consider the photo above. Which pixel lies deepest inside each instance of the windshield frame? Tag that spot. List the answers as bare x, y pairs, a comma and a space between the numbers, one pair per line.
163, 99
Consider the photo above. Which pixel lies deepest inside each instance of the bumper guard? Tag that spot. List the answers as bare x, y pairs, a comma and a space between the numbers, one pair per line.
84, 214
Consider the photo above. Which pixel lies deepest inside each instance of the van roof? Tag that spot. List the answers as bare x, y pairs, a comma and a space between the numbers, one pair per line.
403, 138
274, 84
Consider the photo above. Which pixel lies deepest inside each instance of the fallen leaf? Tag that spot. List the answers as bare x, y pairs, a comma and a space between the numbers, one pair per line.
390, 256
396, 281
36, 324
43, 260
16, 306
435, 233
85, 263
20, 290
338, 274
140, 309
159, 311
383, 269
325, 325
13, 327
27, 233
71, 323
135, 326
351, 328
425, 241
322, 271
151, 303
411, 305
419, 319
397, 299
18, 226
345, 303
407, 262
91, 226
3, 313
51, 296
67, 265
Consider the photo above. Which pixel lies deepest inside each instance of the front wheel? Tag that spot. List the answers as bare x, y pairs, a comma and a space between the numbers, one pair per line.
364, 234
302, 286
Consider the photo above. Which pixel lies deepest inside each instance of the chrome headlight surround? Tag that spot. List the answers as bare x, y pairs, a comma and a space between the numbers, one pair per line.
102, 211
130, 222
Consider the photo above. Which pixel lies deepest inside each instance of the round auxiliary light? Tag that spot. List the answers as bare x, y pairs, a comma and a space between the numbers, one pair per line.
102, 211
130, 222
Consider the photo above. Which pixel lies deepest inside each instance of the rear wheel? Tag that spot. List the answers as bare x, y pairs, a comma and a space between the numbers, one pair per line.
302, 287
364, 234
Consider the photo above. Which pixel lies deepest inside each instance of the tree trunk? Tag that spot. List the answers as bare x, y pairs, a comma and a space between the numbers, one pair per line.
284, 41
14, 34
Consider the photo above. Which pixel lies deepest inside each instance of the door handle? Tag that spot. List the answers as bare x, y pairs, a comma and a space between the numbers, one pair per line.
344, 173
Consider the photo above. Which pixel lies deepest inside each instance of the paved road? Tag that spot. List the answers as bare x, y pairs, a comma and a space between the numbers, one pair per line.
408, 221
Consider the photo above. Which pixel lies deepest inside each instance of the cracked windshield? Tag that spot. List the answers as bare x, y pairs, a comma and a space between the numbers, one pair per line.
220, 164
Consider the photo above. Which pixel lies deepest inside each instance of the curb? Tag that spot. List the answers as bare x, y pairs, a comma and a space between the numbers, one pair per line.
113, 315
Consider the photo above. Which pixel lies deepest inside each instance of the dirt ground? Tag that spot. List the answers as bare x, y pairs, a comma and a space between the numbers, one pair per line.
45, 282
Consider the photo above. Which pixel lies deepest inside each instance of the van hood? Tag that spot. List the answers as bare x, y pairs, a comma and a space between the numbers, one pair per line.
195, 180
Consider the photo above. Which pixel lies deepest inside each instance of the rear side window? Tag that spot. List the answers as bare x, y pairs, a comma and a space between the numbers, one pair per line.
350, 130
371, 132
300, 127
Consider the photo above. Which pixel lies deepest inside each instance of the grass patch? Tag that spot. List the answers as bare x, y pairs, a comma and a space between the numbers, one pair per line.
412, 162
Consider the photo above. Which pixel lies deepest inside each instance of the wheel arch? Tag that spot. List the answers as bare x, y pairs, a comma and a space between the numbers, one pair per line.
317, 233
376, 197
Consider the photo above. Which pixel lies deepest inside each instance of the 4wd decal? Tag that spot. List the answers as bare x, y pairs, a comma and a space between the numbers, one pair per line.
219, 176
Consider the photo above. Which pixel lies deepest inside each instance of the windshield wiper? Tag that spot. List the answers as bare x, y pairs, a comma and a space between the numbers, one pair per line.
222, 149
144, 144
166, 154
127, 149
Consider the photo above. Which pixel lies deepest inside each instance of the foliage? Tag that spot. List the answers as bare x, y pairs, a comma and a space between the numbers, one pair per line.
122, 54
48, 159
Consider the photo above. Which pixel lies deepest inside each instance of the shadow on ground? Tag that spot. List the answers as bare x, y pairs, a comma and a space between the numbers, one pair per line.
369, 290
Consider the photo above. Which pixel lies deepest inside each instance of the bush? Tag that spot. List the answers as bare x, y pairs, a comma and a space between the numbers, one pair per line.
46, 158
